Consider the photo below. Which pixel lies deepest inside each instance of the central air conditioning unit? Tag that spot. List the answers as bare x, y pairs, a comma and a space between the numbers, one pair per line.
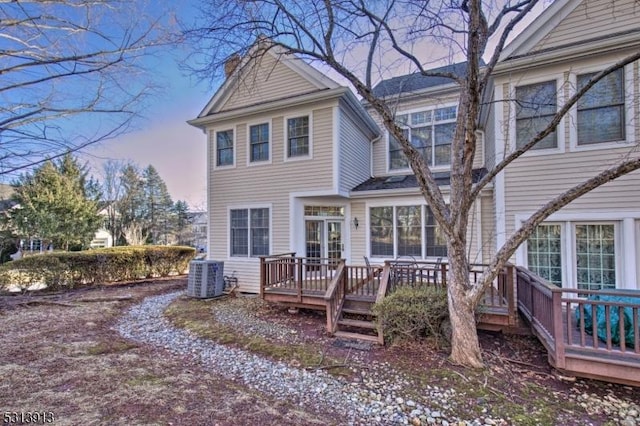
206, 279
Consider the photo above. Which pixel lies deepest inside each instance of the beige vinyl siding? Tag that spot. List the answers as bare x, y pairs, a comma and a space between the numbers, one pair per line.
354, 158
533, 181
593, 19
269, 80
359, 236
489, 137
266, 185
488, 223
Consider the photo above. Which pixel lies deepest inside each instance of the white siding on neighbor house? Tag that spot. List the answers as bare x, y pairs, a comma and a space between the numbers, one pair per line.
488, 224
266, 184
593, 19
354, 158
269, 80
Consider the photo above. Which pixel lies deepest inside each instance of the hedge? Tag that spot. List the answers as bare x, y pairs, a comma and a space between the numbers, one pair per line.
413, 313
60, 270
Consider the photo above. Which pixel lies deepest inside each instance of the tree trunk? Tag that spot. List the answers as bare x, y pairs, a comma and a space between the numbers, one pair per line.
465, 347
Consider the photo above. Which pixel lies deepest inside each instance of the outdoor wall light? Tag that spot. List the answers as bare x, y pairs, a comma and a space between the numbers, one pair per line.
355, 222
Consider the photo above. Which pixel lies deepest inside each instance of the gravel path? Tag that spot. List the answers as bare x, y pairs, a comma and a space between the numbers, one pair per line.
371, 401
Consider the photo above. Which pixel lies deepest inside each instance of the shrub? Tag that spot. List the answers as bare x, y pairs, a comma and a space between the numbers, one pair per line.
72, 269
413, 313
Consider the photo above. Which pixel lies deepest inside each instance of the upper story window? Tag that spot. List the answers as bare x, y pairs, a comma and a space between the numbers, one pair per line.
259, 142
430, 132
601, 109
298, 136
224, 148
536, 105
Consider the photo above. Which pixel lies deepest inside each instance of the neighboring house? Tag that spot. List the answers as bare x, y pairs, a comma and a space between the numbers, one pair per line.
198, 222
297, 164
594, 242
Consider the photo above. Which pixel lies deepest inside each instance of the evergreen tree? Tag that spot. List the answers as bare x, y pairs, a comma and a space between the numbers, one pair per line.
57, 203
182, 225
130, 204
158, 207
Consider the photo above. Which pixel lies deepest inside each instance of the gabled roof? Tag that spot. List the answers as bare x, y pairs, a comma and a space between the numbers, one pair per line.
416, 82
539, 28
266, 47
409, 181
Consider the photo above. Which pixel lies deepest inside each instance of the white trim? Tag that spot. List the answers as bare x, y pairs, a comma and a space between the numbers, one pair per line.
285, 131
629, 110
426, 108
248, 207
629, 249
560, 100
626, 242
500, 144
335, 148
269, 122
215, 148
209, 200
402, 202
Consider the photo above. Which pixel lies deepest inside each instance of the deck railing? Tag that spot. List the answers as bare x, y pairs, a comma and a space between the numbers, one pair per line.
334, 297
551, 311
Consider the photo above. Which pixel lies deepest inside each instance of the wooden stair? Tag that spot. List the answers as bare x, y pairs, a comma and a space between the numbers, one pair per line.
358, 329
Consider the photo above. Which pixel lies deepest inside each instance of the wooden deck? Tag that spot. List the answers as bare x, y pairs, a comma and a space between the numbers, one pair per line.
548, 311
571, 346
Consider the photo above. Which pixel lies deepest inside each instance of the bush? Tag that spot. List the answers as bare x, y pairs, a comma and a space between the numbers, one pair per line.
73, 269
413, 313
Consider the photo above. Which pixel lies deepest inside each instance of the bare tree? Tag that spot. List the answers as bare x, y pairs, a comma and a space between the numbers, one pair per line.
67, 65
326, 32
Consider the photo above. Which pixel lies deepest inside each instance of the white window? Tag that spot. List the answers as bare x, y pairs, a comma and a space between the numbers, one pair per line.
544, 252
224, 148
595, 256
249, 232
591, 254
405, 231
259, 142
430, 132
536, 105
601, 115
298, 137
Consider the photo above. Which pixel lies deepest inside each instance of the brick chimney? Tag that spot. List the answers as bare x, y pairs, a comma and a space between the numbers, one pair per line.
231, 64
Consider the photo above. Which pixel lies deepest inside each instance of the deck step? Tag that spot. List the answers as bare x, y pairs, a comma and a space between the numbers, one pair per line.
357, 336
357, 323
356, 311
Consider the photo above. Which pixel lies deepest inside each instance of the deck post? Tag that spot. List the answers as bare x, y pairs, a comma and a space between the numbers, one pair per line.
263, 276
558, 333
510, 283
443, 274
300, 279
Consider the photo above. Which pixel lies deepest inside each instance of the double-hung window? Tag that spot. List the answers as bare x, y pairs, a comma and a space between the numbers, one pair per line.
249, 232
601, 115
259, 142
298, 136
430, 132
405, 231
536, 105
224, 148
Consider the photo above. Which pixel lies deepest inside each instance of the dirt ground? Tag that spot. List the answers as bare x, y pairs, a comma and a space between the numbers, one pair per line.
59, 355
